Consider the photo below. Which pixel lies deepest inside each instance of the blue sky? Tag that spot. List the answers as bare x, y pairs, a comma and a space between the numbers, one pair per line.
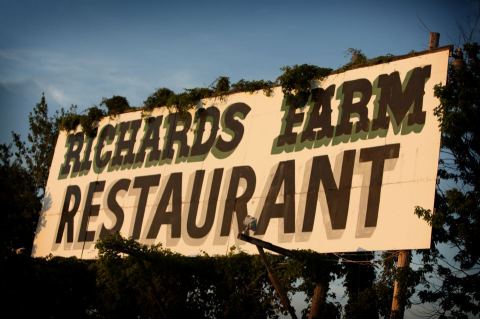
80, 51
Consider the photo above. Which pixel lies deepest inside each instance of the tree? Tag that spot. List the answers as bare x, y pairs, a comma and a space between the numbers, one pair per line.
38, 153
456, 222
222, 85
47, 288
296, 82
315, 272
29, 283
135, 280
20, 203
159, 98
359, 280
116, 104
24, 169
23, 177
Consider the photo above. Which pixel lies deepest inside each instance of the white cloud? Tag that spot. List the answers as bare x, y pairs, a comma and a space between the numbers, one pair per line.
58, 96
84, 80
71, 79
182, 79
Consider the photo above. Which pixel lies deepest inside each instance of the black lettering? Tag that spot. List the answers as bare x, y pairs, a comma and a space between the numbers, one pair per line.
150, 140
144, 183
107, 134
321, 99
115, 208
126, 145
376, 155
199, 148
90, 210
180, 136
238, 204
193, 230
348, 108
338, 198
68, 215
87, 163
399, 100
75, 145
290, 120
173, 190
233, 126
285, 175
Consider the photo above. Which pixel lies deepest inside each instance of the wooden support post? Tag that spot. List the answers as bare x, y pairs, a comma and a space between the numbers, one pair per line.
276, 284
265, 244
319, 293
398, 301
434, 40
260, 244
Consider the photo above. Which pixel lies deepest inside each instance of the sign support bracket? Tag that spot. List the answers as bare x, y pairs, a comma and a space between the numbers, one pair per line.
260, 244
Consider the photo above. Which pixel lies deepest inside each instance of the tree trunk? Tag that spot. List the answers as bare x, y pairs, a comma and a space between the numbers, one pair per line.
318, 300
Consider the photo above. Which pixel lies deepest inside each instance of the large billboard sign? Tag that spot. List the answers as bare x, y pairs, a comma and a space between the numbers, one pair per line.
343, 173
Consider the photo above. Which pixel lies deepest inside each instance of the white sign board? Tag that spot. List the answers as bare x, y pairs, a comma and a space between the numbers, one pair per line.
342, 173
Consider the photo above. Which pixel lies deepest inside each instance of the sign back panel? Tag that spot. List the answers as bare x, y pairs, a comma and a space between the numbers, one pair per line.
341, 173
